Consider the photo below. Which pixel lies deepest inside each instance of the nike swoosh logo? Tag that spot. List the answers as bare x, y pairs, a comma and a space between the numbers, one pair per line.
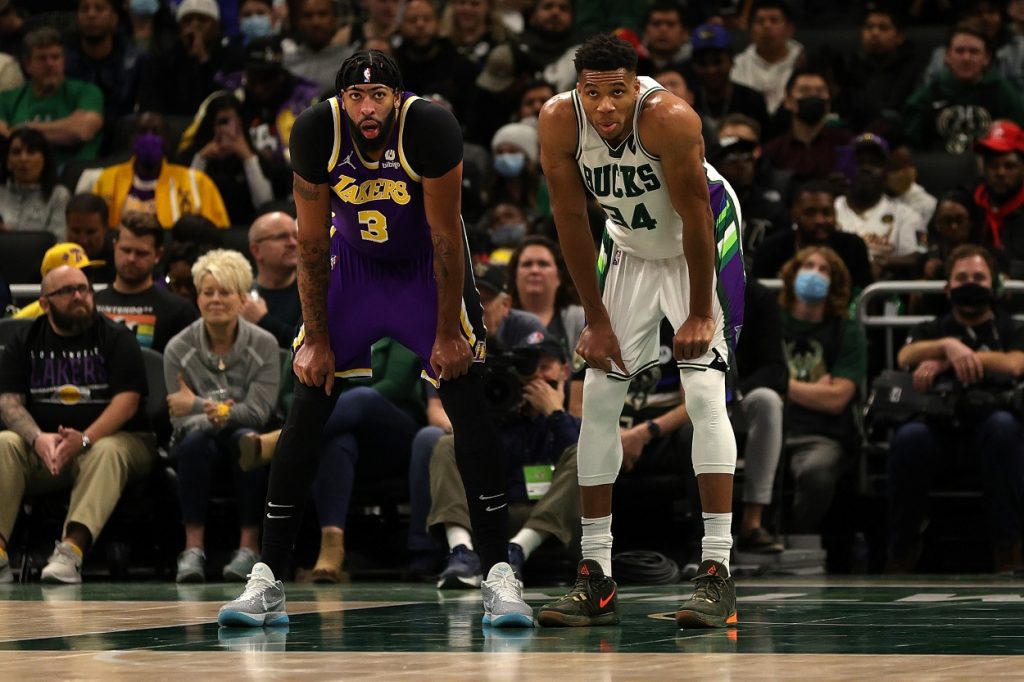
604, 602
496, 508
272, 516
279, 506
490, 497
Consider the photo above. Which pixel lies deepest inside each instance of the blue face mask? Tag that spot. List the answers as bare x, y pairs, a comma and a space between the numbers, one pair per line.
508, 235
811, 286
144, 8
255, 26
510, 164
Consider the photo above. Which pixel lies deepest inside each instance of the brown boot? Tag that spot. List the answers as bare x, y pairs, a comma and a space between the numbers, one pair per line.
332, 556
255, 450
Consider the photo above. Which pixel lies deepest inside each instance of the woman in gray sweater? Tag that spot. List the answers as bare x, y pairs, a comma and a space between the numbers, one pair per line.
222, 375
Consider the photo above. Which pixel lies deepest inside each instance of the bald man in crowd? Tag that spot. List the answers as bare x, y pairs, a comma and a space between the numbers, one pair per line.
274, 302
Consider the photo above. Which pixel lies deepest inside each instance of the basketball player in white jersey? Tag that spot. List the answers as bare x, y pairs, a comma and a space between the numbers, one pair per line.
671, 249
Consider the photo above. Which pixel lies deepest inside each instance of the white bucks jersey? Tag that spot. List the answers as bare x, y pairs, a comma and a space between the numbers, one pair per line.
628, 182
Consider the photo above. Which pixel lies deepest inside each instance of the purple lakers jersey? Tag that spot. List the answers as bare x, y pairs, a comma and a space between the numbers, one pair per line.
376, 207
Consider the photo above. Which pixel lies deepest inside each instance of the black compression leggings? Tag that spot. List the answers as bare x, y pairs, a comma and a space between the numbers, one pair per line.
478, 451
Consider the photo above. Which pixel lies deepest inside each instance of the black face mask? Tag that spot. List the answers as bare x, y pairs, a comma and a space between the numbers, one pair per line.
811, 110
971, 296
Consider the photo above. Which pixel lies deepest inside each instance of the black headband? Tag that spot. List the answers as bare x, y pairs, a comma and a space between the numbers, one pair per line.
368, 67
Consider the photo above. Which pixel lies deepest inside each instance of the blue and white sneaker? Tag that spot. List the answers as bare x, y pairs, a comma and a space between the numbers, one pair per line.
462, 571
262, 602
503, 599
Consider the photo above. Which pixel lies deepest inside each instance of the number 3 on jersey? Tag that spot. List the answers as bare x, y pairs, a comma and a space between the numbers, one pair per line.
641, 218
376, 226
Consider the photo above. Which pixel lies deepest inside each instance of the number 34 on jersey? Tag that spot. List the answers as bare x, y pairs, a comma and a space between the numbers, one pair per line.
612, 181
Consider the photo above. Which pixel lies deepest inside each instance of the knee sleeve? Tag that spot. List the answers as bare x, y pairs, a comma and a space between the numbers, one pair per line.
599, 454
714, 444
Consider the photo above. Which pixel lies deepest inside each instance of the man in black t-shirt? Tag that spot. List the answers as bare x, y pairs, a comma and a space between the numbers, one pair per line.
70, 389
154, 315
274, 245
983, 351
814, 218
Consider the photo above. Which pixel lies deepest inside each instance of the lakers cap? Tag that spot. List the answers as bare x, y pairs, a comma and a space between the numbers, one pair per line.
67, 253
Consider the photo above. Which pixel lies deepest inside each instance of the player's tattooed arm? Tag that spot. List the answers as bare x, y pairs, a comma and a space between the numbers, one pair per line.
441, 202
16, 417
306, 190
312, 204
313, 271
447, 259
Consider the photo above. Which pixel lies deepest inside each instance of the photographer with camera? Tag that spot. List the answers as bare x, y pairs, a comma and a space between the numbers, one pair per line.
507, 327
525, 388
983, 349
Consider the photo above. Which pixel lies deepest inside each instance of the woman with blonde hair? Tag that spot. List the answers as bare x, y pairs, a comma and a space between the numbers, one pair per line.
223, 375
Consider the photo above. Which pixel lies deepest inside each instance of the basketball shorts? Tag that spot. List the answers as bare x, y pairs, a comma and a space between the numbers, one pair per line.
639, 292
369, 299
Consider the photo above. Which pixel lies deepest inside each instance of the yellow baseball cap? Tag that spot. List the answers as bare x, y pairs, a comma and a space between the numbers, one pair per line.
66, 253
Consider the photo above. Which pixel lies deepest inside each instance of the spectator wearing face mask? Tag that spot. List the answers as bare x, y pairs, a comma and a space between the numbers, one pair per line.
827, 356
506, 230
149, 183
517, 177
808, 149
256, 20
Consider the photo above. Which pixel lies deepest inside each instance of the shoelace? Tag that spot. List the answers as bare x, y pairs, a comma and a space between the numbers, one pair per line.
506, 586
255, 585
579, 590
63, 552
708, 587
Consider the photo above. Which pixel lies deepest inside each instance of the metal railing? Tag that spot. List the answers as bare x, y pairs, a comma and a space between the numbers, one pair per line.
890, 322
22, 292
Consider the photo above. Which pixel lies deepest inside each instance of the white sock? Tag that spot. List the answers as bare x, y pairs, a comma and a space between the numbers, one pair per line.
529, 540
457, 535
597, 542
717, 541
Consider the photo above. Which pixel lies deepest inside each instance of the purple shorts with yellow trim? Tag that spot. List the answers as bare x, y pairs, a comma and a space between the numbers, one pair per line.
370, 299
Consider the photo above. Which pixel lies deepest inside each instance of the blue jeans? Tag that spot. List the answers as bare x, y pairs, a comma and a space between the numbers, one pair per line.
197, 456
419, 539
362, 420
995, 446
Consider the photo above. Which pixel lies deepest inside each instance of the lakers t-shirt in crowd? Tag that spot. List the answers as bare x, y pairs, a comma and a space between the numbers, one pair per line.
69, 380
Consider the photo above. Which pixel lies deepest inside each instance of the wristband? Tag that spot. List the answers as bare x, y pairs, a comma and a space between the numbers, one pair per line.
655, 430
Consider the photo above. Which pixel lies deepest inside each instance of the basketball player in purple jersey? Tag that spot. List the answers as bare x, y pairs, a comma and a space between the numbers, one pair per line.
382, 253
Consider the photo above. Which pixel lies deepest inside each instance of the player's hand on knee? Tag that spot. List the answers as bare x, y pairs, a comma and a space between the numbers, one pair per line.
693, 338
451, 357
314, 364
599, 346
